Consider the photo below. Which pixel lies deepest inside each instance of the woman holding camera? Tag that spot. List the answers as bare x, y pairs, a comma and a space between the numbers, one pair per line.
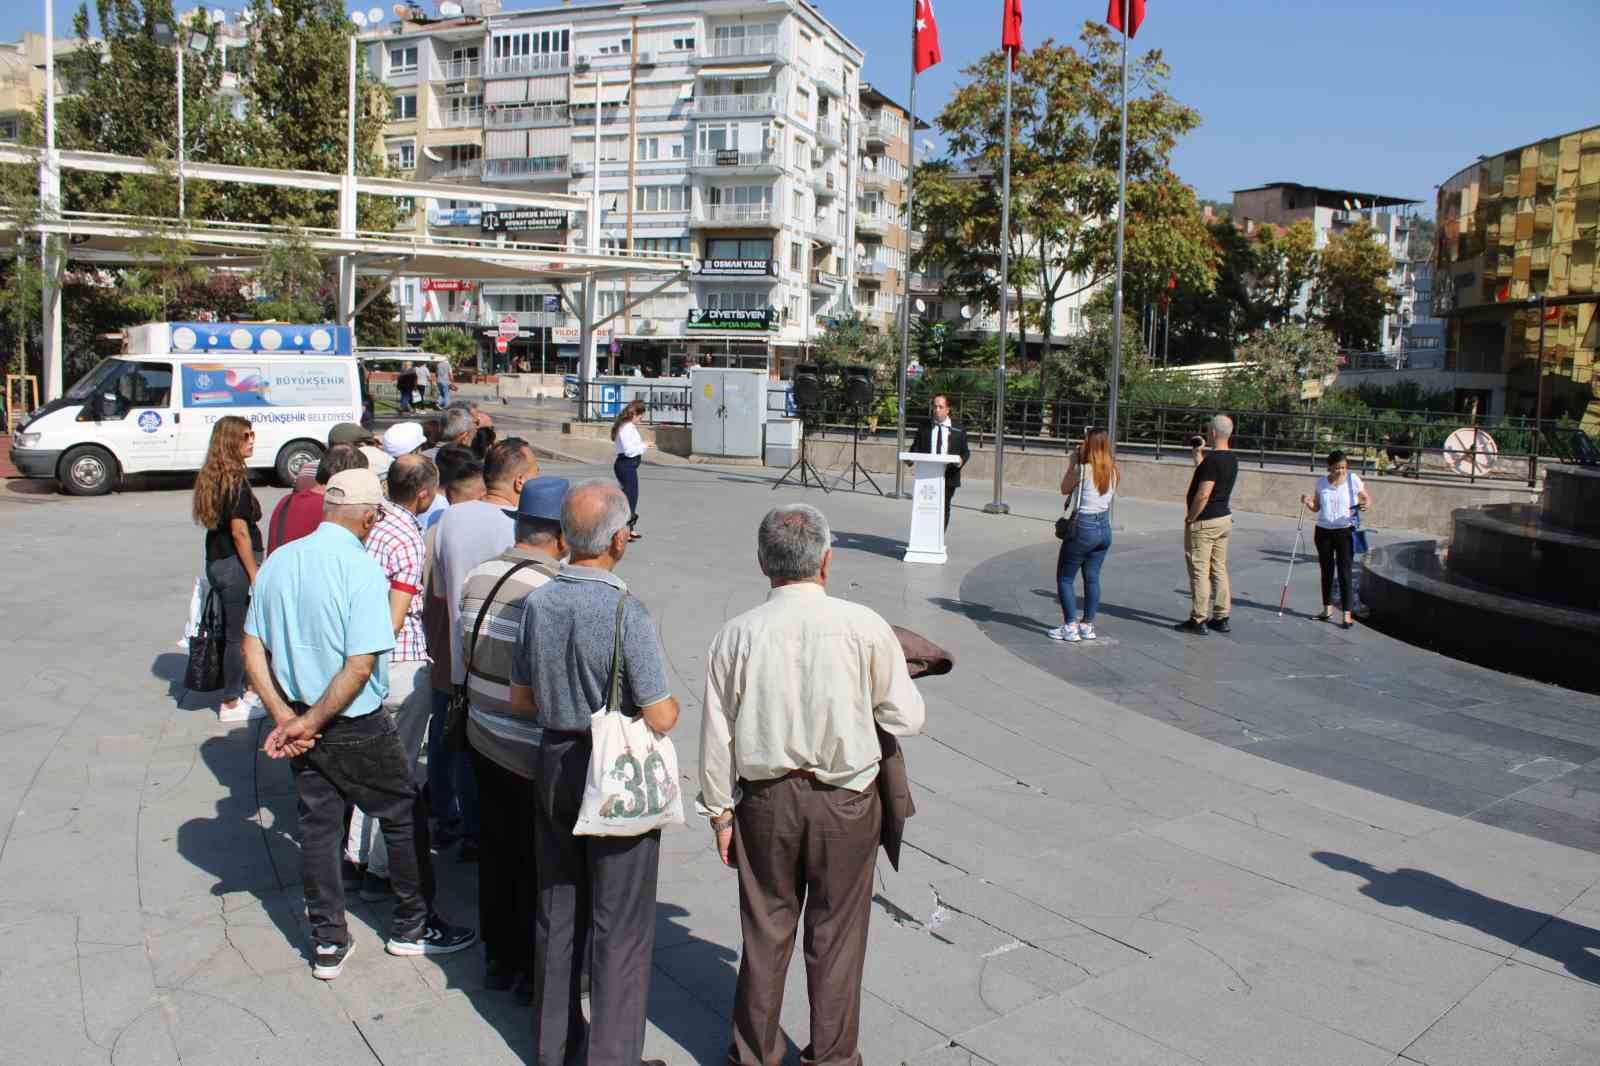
1093, 472
1339, 495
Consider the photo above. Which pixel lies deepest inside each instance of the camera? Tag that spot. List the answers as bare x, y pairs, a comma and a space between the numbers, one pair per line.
1197, 441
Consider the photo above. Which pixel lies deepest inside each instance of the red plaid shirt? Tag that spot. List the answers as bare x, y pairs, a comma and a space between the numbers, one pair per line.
396, 542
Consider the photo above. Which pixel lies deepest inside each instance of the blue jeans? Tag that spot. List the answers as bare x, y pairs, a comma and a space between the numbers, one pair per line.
452, 786
1086, 551
444, 394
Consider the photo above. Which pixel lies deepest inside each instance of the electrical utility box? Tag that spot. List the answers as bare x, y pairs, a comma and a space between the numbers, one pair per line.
730, 411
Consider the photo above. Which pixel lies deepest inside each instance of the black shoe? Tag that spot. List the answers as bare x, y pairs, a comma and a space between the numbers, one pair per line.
446, 831
329, 960
375, 889
436, 937
498, 975
468, 852
351, 873
1190, 625
1220, 625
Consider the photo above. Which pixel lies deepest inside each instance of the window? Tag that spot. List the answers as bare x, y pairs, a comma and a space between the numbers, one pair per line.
403, 155
792, 312
402, 107
739, 248
403, 60
649, 149
803, 105
150, 385
463, 156
464, 53
611, 150
649, 198
799, 204
10, 129
677, 245
795, 256
736, 300
616, 48
753, 195
716, 136
405, 206
683, 44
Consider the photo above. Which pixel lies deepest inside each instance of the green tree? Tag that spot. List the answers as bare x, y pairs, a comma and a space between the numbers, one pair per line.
455, 344
22, 271
291, 280
1065, 144
850, 342
1351, 294
1282, 262
1284, 357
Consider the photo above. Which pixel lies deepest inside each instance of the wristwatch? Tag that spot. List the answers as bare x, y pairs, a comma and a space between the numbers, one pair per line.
721, 821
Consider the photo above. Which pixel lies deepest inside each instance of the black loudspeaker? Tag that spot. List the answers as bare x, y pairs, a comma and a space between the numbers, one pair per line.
807, 390
858, 387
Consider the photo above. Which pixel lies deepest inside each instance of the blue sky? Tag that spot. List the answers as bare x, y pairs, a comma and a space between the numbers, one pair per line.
1386, 96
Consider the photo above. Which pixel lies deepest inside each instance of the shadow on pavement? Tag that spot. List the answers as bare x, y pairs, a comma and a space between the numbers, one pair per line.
982, 613
712, 971
870, 543
1577, 947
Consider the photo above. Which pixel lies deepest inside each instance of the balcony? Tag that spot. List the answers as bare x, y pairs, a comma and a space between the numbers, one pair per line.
457, 171
736, 104
875, 133
823, 185
876, 180
731, 161
726, 49
828, 133
825, 231
756, 216
462, 118
529, 319
870, 270
873, 315
538, 63
526, 116
824, 283
876, 223
921, 282
458, 70
542, 168
830, 81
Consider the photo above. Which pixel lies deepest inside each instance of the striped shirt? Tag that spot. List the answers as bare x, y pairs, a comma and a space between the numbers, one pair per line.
493, 728
396, 542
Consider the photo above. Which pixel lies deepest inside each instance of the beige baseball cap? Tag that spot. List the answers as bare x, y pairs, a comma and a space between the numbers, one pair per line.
355, 487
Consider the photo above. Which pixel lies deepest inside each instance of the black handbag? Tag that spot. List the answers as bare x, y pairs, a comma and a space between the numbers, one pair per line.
1067, 524
204, 672
455, 722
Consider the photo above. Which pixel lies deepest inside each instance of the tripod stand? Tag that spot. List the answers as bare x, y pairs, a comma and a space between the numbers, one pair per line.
803, 464
855, 459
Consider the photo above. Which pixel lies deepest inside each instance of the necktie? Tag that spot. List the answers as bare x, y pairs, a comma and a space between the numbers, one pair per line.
940, 449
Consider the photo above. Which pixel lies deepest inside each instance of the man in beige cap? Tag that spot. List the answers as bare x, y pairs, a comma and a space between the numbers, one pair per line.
317, 643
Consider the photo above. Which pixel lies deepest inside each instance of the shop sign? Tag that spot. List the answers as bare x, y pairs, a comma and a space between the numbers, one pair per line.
446, 285
455, 216
738, 321
523, 219
734, 268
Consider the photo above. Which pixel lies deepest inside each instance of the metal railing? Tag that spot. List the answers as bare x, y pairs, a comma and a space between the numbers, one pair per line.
513, 116
509, 169
738, 214
828, 131
729, 159
458, 69
536, 63
735, 103
462, 118
739, 47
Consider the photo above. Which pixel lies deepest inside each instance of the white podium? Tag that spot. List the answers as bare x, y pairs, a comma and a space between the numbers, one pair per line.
926, 541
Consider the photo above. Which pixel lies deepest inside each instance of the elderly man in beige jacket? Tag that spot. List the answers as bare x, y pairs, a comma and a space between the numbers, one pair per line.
795, 692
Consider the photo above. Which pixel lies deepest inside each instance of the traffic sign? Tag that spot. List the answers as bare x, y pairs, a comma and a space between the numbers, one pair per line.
508, 326
501, 345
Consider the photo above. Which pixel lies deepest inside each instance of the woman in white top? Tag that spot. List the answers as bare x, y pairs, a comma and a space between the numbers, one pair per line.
1094, 469
630, 450
1338, 496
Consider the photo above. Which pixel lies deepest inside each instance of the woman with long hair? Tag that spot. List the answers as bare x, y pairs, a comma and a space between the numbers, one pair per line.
630, 452
1339, 495
1092, 478
229, 512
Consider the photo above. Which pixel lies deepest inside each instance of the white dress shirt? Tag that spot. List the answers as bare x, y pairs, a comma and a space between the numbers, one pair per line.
800, 683
941, 438
629, 441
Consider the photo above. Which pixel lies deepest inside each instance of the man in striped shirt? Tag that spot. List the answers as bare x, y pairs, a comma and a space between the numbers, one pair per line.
505, 743
396, 543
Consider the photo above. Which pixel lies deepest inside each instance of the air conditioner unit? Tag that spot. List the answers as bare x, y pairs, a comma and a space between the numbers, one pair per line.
646, 59
647, 326
581, 65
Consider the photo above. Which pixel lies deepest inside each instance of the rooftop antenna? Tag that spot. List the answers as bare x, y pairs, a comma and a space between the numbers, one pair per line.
450, 9
374, 15
359, 18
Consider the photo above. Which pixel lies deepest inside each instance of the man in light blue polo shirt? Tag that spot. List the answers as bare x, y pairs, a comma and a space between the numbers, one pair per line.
317, 644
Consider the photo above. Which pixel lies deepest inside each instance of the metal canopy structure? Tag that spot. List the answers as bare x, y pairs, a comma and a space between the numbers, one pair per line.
110, 240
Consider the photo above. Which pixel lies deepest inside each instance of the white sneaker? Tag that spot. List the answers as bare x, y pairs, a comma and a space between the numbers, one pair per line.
242, 711
1068, 633
1086, 630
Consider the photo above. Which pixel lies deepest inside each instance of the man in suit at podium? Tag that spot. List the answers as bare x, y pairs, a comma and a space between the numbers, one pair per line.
942, 437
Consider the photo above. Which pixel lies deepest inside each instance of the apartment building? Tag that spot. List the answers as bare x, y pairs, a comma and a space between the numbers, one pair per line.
882, 257
1333, 211
22, 79
724, 130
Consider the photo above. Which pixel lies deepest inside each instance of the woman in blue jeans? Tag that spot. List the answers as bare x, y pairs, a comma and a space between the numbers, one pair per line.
1093, 470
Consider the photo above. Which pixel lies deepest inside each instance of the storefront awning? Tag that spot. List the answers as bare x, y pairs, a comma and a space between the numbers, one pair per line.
754, 70
583, 95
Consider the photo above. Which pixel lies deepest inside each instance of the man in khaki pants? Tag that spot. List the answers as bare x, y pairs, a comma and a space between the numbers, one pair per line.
1207, 525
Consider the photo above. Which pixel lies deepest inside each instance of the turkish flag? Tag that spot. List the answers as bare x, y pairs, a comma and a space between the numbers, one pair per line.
925, 43
1135, 15
1011, 30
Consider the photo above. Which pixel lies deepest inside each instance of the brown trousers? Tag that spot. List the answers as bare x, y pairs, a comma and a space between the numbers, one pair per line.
799, 843
1205, 550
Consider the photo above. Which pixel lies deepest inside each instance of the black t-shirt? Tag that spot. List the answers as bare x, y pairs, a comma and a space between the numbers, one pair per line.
1221, 467
219, 539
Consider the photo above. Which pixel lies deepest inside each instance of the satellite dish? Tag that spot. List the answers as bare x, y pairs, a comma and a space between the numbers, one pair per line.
374, 15
966, 313
861, 249
1469, 450
359, 19
1358, 203
1347, 204
921, 307
218, 16
400, 10
450, 9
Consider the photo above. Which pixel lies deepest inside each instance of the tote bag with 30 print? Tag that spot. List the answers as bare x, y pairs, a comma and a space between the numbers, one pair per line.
632, 786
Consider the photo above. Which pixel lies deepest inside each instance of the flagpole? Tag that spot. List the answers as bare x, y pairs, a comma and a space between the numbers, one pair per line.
905, 302
998, 505
1122, 217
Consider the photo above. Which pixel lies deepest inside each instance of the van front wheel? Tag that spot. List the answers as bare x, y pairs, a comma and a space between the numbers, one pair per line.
88, 470
296, 455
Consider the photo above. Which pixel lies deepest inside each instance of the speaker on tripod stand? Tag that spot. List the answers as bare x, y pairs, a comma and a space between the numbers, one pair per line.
808, 401
858, 397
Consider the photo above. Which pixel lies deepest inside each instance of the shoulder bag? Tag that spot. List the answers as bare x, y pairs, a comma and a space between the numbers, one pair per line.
455, 723
1358, 536
1067, 524
204, 671
632, 786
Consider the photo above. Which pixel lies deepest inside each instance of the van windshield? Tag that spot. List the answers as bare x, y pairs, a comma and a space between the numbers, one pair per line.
97, 378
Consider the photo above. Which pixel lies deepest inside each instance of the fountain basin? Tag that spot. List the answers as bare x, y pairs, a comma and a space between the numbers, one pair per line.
1515, 549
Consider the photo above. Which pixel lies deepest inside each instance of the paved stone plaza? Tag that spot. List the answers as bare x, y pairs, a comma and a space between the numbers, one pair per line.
1291, 846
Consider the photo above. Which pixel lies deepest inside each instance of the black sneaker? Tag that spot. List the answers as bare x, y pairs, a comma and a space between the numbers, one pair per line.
1220, 625
436, 937
1190, 625
328, 960
375, 889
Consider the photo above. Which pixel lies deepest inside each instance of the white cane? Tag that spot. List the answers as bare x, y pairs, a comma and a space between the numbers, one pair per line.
1299, 534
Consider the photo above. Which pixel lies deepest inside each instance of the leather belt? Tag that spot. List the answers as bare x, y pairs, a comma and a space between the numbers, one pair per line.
809, 775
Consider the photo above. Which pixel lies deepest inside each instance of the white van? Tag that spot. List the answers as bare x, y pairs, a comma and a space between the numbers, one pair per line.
152, 408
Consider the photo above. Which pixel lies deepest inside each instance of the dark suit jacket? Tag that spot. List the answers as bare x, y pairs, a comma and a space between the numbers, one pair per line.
924, 659
958, 446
